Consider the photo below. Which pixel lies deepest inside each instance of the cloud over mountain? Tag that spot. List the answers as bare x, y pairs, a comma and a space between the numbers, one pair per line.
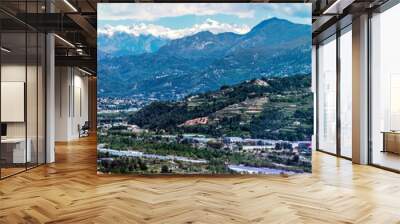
210, 25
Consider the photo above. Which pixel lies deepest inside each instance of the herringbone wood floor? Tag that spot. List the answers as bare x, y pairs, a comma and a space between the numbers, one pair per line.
69, 191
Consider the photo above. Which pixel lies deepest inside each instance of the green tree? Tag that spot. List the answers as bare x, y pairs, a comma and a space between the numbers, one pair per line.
164, 169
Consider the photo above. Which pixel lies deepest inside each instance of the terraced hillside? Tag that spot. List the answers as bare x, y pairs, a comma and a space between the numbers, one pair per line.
274, 108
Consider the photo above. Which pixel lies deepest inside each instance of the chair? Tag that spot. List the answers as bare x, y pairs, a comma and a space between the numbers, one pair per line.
84, 130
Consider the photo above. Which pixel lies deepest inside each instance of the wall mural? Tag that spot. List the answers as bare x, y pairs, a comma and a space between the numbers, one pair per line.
204, 88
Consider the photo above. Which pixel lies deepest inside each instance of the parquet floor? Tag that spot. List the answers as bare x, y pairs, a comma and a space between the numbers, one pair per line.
10, 171
69, 191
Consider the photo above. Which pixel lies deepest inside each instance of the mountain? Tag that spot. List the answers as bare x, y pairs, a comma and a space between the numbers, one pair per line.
123, 44
278, 33
203, 45
207, 61
283, 104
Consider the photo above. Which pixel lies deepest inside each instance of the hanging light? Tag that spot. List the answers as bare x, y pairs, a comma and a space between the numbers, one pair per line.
84, 71
5, 50
70, 5
64, 40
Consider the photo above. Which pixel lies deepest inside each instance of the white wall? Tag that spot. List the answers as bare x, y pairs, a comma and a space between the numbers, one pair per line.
12, 73
33, 126
71, 102
80, 110
62, 82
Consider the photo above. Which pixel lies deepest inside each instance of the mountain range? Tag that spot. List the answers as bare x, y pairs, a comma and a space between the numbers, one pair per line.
172, 69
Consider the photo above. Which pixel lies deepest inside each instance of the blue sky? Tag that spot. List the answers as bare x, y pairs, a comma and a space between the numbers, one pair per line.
234, 17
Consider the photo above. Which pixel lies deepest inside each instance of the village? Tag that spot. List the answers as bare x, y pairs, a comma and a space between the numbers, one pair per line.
263, 148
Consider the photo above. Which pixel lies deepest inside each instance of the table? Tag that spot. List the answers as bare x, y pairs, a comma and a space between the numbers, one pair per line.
13, 150
391, 141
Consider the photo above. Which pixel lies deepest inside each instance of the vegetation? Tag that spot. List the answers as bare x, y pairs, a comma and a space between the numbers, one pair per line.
217, 158
277, 108
288, 114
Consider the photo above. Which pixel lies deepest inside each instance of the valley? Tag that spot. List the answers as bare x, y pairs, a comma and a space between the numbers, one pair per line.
257, 124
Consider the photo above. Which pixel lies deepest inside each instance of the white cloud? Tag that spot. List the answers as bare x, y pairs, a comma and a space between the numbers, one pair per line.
287, 9
165, 32
151, 11
295, 12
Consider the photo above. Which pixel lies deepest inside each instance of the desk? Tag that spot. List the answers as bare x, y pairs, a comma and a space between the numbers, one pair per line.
391, 141
13, 150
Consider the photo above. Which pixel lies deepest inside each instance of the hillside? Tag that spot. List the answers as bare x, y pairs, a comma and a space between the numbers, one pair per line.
206, 61
273, 108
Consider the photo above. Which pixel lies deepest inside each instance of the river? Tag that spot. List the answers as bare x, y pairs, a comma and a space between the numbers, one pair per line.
258, 170
132, 153
237, 168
